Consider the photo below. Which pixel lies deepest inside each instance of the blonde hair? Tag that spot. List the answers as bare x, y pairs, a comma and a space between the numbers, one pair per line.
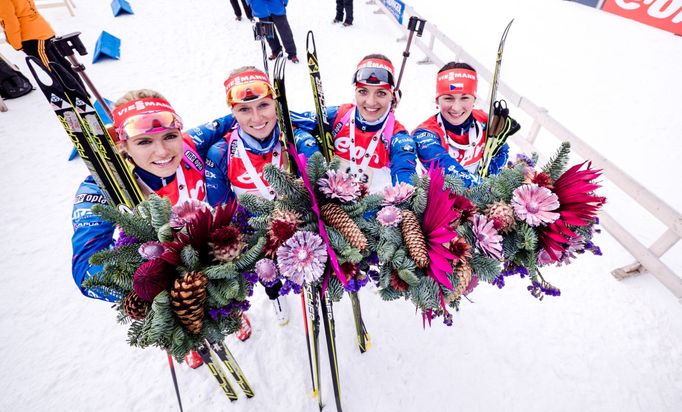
138, 94
245, 69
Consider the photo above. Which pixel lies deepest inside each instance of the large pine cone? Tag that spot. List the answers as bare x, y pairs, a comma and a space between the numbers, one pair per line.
463, 272
187, 300
336, 217
414, 239
135, 307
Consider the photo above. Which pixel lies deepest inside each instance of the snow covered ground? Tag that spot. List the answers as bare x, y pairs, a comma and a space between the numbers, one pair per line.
603, 345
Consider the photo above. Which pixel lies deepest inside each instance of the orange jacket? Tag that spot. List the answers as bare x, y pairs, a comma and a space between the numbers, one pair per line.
21, 21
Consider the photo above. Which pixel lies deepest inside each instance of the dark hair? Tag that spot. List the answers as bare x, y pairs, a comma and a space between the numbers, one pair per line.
377, 56
456, 65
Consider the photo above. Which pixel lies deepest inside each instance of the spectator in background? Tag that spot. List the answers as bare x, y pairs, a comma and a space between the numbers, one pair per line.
275, 12
238, 10
341, 6
25, 29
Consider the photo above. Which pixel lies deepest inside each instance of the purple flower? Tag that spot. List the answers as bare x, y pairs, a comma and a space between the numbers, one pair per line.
390, 216
302, 257
125, 240
250, 277
266, 270
487, 238
534, 204
150, 250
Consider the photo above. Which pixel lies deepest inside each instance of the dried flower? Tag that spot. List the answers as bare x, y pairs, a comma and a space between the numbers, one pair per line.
487, 238
541, 179
184, 212
534, 204
226, 243
302, 258
266, 270
397, 283
151, 278
389, 216
282, 226
339, 185
394, 195
460, 248
151, 250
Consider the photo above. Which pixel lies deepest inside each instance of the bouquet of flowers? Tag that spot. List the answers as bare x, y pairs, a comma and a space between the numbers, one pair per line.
435, 240
181, 273
315, 222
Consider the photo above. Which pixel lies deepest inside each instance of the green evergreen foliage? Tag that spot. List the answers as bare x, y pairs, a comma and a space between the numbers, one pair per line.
510, 245
256, 205
220, 293
335, 289
190, 258
454, 184
127, 254
353, 209
336, 239
221, 272
425, 295
285, 185
317, 167
557, 164
481, 195
159, 210
391, 234
165, 233
389, 293
251, 256
486, 268
504, 184
420, 196
527, 238
131, 224
385, 251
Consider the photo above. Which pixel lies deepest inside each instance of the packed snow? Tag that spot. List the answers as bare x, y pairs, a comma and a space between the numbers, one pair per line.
604, 345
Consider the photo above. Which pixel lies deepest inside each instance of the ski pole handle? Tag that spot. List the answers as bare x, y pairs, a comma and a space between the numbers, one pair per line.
415, 25
67, 43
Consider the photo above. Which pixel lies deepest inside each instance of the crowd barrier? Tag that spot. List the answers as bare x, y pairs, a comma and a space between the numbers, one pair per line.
648, 258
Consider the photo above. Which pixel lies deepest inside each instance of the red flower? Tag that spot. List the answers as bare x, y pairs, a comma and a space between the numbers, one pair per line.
152, 277
280, 231
397, 283
578, 206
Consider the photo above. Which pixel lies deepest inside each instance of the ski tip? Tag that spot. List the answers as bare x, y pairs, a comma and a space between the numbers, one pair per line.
315, 394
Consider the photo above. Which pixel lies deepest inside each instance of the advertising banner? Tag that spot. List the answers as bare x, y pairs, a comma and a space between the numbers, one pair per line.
664, 14
396, 7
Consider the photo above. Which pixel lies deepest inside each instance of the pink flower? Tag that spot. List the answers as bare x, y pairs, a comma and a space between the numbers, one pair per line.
302, 257
534, 204
151, 250
394, 195
487, 238
183, 213
390, 216
339, 185
266, 270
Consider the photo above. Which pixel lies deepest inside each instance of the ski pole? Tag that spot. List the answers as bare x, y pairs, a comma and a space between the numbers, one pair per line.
415, 24
175, 379
65, 45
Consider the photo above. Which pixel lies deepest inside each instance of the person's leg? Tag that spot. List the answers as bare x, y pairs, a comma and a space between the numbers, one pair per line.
284, 30
339, 11
54, 56
237, 10
36, 48
275, 45
247, 10
348, 6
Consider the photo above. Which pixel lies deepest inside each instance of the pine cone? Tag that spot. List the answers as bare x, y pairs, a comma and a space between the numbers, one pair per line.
463, 272
135, 307
336, 217
187, 300
414, 239
502, 216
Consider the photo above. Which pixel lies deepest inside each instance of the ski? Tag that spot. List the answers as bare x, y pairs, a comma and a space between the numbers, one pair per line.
286, 130
232, 366
104, 143
492, 144
311, 321
326, 141
330, 335
78, 133
217, 372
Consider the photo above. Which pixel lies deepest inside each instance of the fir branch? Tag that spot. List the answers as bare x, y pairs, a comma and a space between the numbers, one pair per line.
285, 185
221, 293
249, 257
334, 289
486, 268
389, 294
190, 258
425, 295
259, 223
317, 167
385, 251
128, 254
527, 237
556, 165
159, 210
353, 209
131, 224
481, 195
454, 184
504, 184
372, 202
352, 254
256, 205
420, 196
220, 272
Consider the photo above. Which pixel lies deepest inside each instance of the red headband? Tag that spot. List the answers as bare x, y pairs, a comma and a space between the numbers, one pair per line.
245, 77
140, 106
380, 63
456, 81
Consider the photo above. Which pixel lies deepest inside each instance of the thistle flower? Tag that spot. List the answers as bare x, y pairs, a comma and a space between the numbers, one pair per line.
462, 204
282, 226
151, 250
390, 216
151, 278
487, 238
394, 195
184, 212
534, 204
397, 283
339, 185
266, 270
302, 257
226, 243
460, 248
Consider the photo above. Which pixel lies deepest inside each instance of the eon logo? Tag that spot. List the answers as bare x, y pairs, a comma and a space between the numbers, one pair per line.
342, 146
659, 9
664, 14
